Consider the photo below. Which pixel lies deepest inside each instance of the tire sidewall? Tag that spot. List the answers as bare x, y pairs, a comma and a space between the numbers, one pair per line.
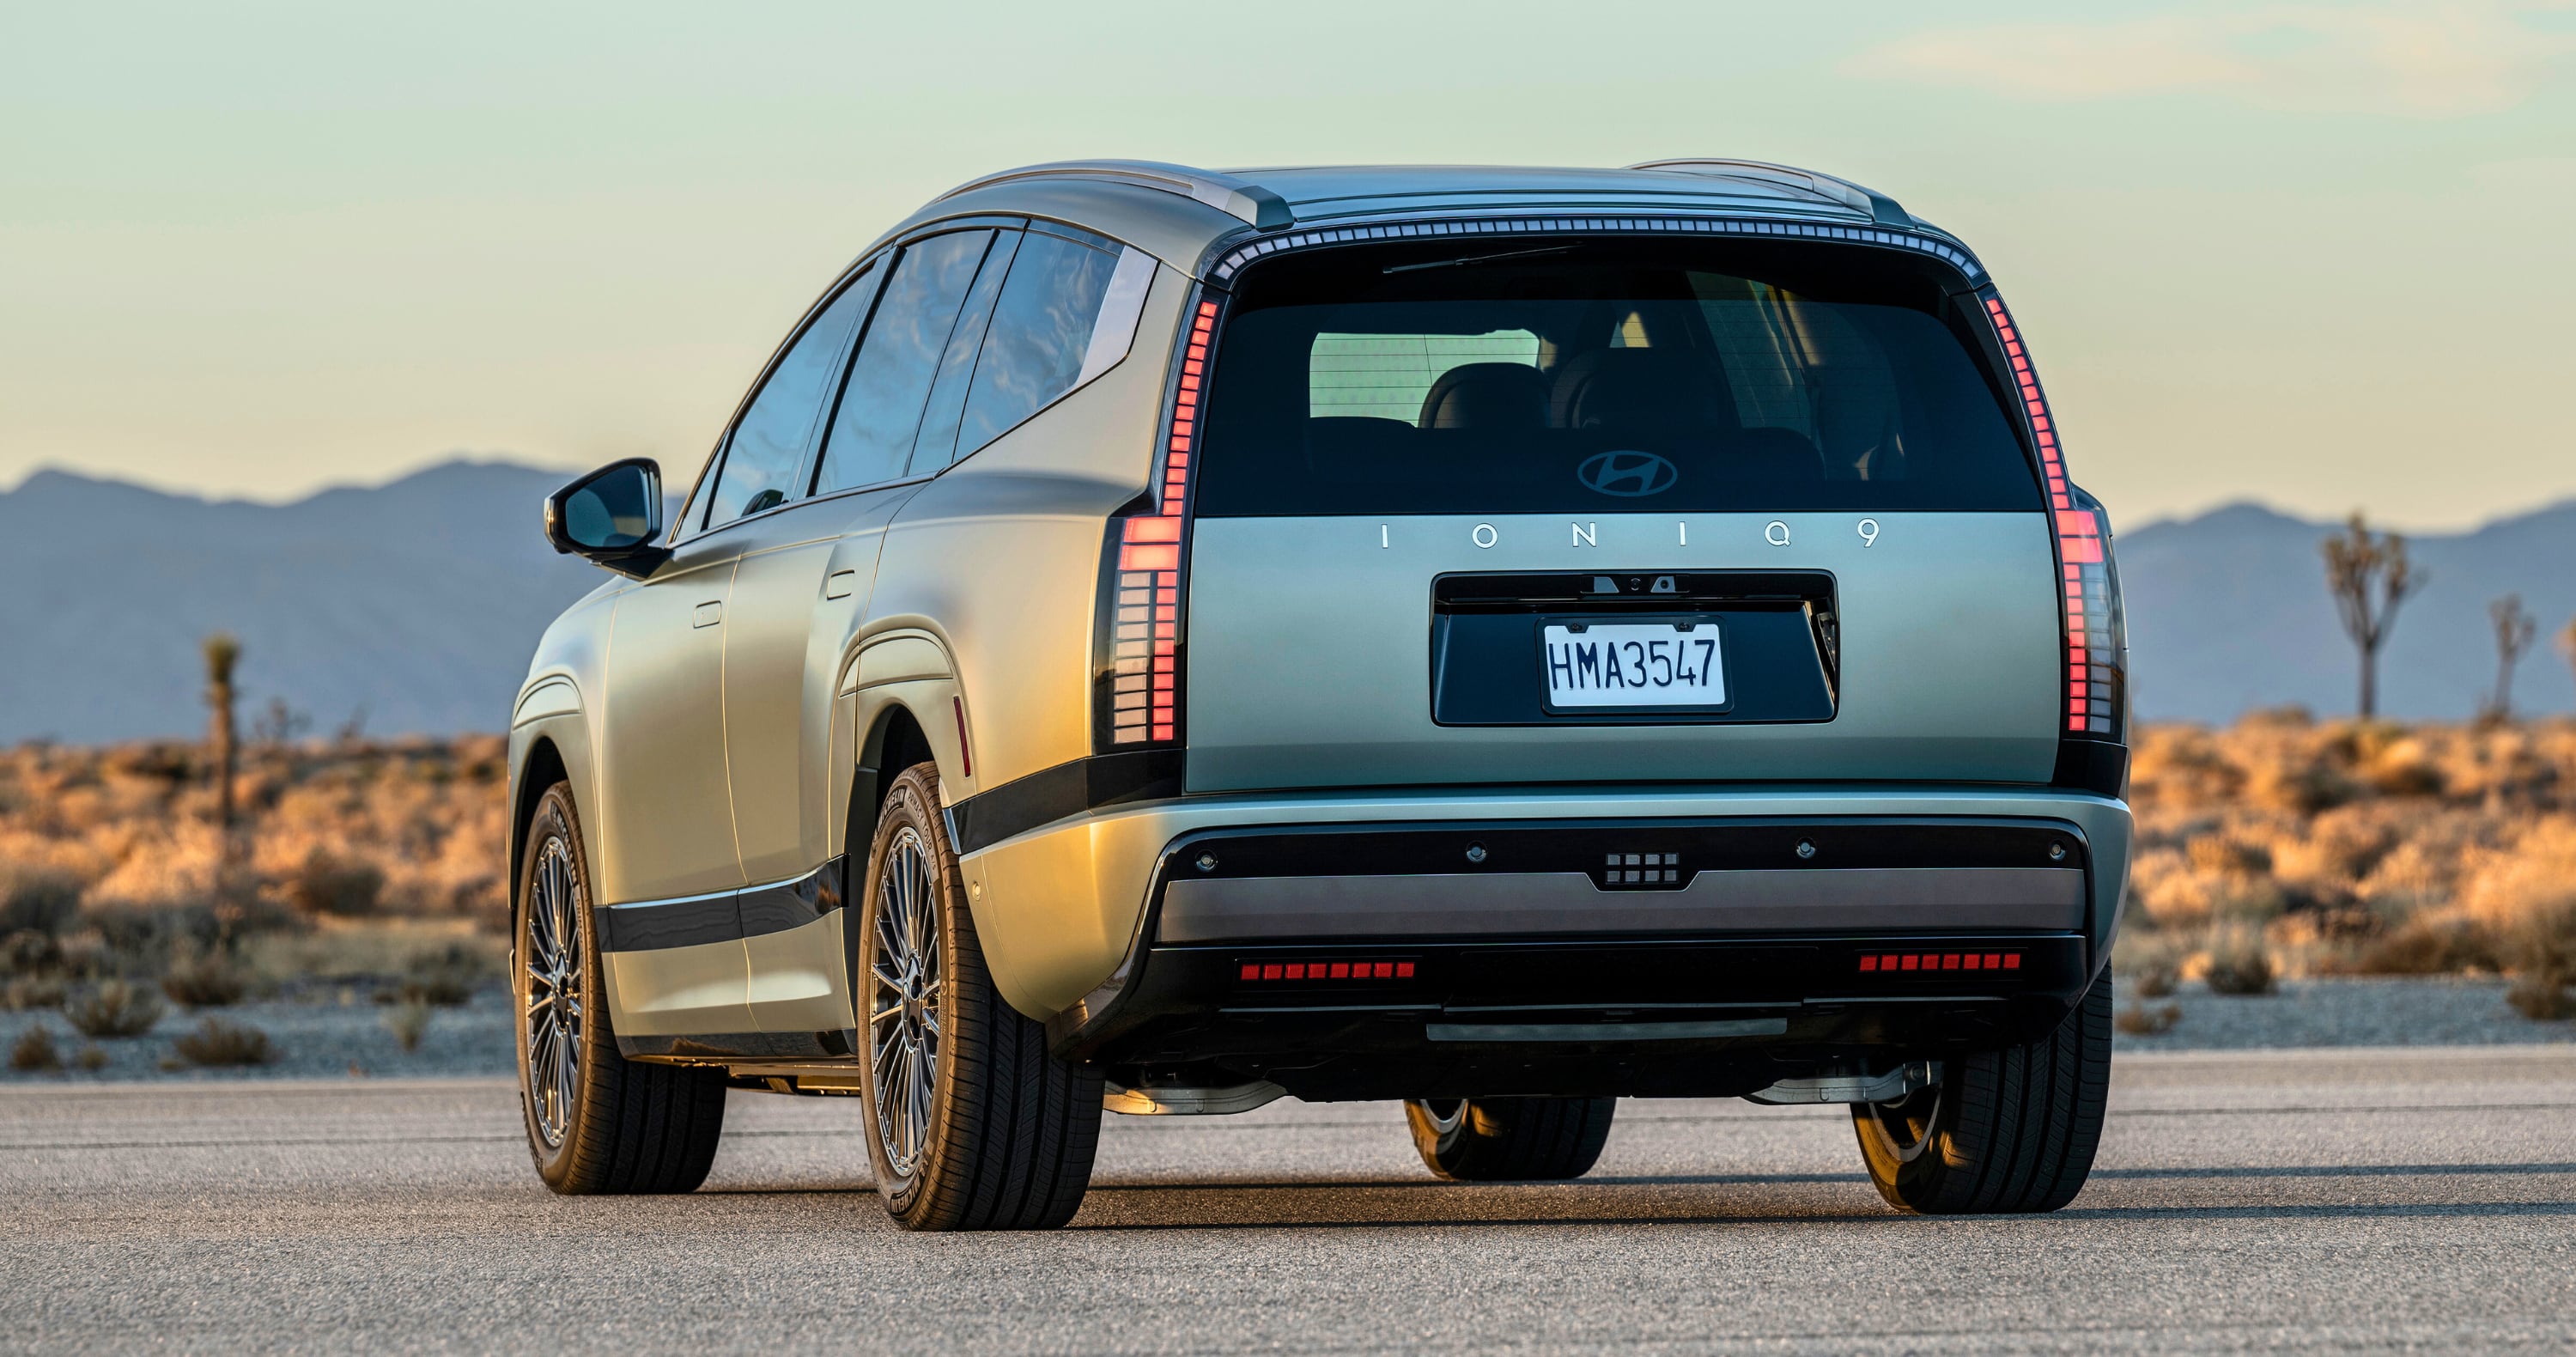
556, 818
912, 803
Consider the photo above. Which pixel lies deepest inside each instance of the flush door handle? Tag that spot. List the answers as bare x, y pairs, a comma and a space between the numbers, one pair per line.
708, 614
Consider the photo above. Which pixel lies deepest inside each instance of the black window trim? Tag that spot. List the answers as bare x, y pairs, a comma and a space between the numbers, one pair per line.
888, 253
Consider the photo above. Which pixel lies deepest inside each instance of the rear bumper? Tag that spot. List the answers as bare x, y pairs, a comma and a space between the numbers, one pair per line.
1078, 918
1671, 1016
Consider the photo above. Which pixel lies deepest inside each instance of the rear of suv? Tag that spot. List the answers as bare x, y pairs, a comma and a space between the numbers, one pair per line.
1494, 640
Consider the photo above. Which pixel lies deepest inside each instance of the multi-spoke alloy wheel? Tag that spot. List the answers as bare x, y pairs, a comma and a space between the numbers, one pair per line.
551, 1004
903, 1001
971, 1123
597, 1122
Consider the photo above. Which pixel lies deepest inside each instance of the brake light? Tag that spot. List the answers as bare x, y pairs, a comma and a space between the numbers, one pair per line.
1143, 614
2088, 585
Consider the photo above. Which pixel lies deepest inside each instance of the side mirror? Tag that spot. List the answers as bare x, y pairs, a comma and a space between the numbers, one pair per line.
611, 517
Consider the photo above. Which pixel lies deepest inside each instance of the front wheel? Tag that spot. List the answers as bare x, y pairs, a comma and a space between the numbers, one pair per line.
2004, 1131
971, 1123
596, 1121
1486, 1140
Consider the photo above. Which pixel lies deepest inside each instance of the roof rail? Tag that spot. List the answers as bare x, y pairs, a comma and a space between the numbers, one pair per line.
1881, 208
1244, 201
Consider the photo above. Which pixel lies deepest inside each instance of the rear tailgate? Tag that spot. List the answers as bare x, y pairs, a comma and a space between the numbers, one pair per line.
1429, 477
1311, 649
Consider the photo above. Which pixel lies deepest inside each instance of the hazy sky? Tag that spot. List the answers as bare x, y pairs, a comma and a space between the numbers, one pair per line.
2316, 255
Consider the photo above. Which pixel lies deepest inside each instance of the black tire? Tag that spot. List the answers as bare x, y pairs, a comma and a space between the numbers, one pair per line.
1005, 1138
1492, 1140
606, 1124
2004, 1132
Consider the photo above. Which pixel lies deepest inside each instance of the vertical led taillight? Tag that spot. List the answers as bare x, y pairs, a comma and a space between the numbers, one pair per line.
1143, 615
2088, 584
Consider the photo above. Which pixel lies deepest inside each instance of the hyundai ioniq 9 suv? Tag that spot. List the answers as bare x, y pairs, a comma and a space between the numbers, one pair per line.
1496, 641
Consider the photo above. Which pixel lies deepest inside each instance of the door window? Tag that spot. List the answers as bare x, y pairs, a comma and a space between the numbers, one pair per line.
1041, 333
769, 444
937, 445
873, 431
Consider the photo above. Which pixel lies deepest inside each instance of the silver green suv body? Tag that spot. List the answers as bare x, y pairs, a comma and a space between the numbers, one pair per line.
1497, 639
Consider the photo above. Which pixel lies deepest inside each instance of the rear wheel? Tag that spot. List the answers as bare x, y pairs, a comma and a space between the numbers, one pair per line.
2004, 1131
1483, 1140
972, 1125
596, 1121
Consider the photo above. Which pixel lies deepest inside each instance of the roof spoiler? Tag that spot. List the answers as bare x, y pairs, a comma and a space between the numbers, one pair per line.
1246, 202
1881, 209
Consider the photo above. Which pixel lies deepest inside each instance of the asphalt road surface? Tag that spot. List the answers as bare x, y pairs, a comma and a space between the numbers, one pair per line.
2344, 1200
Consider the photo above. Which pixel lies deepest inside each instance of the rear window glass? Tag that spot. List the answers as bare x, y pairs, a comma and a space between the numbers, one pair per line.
1621, 375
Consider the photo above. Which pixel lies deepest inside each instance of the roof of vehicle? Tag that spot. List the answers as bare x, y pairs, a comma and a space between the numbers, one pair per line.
1176, 212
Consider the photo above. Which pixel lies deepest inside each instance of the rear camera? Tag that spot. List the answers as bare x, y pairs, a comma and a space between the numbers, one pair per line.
1207, 862
2057, 852
1806, 849
1475, 852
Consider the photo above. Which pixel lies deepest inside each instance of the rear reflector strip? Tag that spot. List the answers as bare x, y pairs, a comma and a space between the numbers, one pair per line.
1145, 647
1920, 962
1308, 972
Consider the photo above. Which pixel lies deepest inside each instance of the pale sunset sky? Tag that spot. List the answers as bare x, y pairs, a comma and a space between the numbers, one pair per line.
2315, 255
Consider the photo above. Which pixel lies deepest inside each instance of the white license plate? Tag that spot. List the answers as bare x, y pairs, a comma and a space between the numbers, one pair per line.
1633, 664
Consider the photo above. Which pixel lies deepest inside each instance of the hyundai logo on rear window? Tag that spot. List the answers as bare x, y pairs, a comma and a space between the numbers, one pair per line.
1627, 474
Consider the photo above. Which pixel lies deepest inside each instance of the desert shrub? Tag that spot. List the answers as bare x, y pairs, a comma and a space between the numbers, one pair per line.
2141, 1020
34, 1051
204, 979
25, 993
329, 884
2239, 964
2231, 856
2541, 996
30, 951
444, 978
217, 1043
2427, 947
408, 1021
114, 1008
91, 1056
2153, 983
39, 901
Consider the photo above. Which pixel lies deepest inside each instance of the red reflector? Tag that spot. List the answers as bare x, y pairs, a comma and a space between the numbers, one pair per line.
1869, 963
1385, 970
1404, 970
1296, 970
1994, 961
1251, 971
1950, 962
2012, 961
1911, 960
1272, 971
1971, 963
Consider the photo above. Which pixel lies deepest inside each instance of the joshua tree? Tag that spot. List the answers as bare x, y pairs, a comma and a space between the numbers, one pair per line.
2514, 629
222, 652
2369, 576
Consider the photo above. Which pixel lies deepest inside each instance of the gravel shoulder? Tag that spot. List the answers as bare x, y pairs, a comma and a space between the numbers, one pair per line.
335, 1036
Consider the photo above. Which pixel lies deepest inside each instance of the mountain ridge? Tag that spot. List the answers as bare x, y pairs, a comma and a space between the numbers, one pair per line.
418, 602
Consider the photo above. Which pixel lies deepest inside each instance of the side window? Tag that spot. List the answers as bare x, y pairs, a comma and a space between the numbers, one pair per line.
1041, 334
937, 445
769, 444
872, 433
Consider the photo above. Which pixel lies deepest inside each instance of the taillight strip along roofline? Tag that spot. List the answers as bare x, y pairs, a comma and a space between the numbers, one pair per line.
1234, 253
